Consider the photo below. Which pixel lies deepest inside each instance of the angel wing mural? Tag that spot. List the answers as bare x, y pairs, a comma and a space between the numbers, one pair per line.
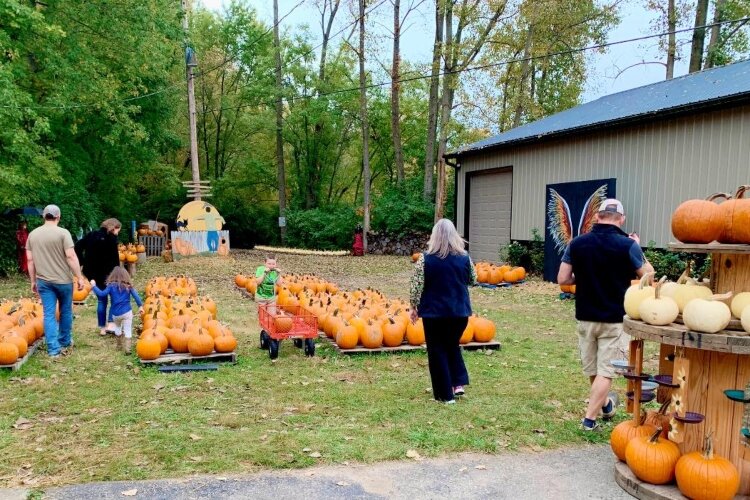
560, 220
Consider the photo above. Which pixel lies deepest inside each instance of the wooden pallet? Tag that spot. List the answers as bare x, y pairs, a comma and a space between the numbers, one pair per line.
174, 358
405, 347
18, 364
502, 284
154, 244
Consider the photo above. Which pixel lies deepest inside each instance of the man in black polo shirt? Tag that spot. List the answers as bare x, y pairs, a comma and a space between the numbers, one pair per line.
601, 264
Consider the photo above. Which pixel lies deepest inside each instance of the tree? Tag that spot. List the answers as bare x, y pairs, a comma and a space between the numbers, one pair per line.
433, 103
279, 122
396, 91
699, 36
365, 125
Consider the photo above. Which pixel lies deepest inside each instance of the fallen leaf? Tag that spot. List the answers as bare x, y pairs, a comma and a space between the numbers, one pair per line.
158, 387
220, 478
342, 483
481, 467
539, 431
315, 454
463, 469
348, 438
196, 459
23, 423
306, 450
195, 437
129, 493
413, 454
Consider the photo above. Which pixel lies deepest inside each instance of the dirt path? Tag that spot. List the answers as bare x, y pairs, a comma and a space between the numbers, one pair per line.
575, 473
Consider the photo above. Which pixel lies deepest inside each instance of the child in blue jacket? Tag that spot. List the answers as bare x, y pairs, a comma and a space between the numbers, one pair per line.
120, 290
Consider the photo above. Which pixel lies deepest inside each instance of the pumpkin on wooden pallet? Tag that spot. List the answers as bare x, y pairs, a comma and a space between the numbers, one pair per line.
625, 431
705, 476
652, 459
8, 353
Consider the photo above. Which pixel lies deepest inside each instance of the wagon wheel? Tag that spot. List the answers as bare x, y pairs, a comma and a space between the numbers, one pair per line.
298, 343
264, 339
309, 347
273, 348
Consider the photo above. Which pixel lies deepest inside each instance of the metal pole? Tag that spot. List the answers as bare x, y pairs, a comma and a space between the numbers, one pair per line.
191, 110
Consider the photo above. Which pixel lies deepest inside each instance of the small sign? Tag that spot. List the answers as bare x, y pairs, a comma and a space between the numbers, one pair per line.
282, 221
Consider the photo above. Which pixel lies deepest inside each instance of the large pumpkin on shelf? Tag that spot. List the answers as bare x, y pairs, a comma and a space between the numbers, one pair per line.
699, 221
705, 476
652, 459
706, 316
736, 218
635, 294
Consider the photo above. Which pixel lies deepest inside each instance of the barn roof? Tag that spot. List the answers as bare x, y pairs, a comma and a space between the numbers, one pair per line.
703, 90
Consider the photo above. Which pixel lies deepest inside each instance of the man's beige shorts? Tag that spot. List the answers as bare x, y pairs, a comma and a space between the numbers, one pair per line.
600, 343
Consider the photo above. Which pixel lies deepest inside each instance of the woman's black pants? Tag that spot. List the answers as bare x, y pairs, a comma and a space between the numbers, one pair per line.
447, 369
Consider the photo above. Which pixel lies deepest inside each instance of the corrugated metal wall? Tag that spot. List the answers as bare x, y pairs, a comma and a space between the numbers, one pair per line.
657, 166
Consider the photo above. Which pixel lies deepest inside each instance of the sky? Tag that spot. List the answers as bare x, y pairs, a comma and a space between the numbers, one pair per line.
607, 75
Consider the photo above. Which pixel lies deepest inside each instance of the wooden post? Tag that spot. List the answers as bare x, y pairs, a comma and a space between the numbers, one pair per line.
189, 64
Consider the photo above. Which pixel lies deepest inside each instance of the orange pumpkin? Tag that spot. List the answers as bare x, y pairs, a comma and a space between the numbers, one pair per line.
736, 217
283, 323
148, 348
8, 353
652, 459
699, 221
240, 280
415, 256
200, 343
19, 342
347, 337
484, 330
393, 333
372, 337
624, 432
225, 342
178, 339
415, 332
468, 334
705, 476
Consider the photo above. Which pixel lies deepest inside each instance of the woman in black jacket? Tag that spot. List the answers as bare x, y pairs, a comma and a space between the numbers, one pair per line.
98, 254
440, 296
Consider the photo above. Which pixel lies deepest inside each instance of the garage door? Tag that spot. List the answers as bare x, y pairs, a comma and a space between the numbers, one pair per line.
489, 213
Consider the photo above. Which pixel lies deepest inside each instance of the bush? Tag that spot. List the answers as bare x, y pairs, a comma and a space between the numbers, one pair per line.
330, 228
672, 264
528, 254
401, 210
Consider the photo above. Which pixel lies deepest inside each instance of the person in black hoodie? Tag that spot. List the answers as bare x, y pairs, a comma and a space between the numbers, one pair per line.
98, 254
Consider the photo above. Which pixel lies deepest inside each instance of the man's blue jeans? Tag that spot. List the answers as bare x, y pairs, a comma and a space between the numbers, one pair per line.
56, 334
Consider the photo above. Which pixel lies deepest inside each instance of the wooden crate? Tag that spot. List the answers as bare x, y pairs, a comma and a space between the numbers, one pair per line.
154, 244
173, 358
32, 348
405, 347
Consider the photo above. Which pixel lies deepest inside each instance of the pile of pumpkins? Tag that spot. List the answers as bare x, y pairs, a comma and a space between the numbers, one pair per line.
144, 231
369, 319
701, 310
704, 221
175, 317
654, 459
21, 325
295, 283
129, 253
494, 275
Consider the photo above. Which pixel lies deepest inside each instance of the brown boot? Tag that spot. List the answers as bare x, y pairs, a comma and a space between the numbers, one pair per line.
120, 339
127, 345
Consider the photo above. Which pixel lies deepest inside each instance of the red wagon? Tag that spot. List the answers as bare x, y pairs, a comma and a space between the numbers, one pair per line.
290, 322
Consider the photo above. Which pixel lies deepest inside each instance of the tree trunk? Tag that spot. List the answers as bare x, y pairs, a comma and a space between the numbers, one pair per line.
433, 104
280, 171
713, 43
326, 27
525, 67
365, 124
445, 109
672, 40
395, 91
699, 36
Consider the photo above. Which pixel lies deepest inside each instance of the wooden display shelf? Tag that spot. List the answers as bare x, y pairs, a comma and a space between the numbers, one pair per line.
405, 347
18, 364
729, 341
709, 248
173, 358
645, 491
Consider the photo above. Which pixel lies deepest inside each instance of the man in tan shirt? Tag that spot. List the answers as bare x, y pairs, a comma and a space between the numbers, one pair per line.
52, 265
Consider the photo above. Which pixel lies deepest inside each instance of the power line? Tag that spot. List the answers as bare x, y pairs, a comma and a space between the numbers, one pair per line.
486, 66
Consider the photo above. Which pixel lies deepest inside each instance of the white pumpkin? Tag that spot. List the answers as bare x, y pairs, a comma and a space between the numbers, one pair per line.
740, 303
706, 316
658, 310
637, 294
669, 288
745, 319
690, 291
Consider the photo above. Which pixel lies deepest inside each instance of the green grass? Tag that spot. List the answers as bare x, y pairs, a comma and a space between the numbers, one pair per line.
99, 415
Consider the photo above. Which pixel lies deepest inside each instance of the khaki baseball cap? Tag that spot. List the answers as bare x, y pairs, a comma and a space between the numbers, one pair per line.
612, 205
52, 210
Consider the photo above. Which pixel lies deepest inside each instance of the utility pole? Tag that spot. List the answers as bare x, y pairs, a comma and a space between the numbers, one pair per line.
365, 124
280, 174
190, 63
